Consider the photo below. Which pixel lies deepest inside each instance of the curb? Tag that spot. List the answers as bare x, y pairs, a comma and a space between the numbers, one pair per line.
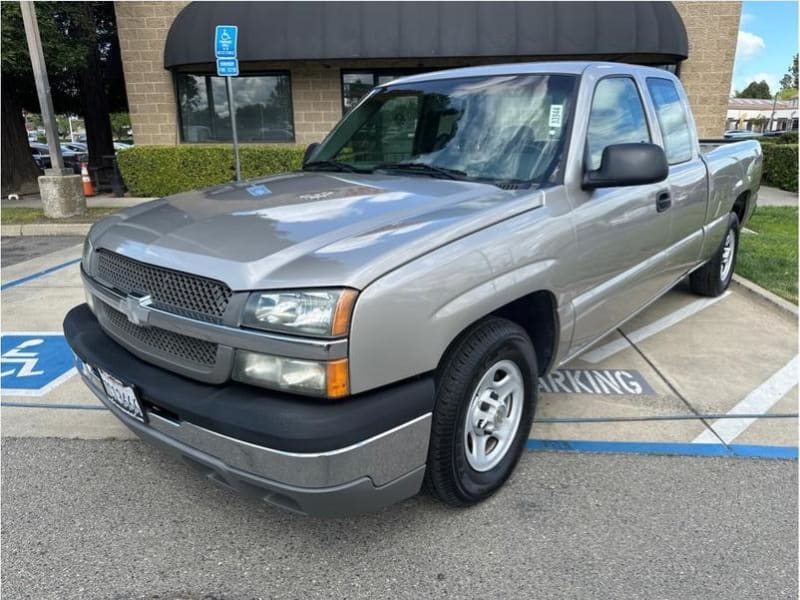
45, 229
756, 290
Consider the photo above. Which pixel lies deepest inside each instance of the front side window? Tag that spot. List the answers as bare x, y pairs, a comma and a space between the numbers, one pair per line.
498, 128
263, 108
672, 120
617, 117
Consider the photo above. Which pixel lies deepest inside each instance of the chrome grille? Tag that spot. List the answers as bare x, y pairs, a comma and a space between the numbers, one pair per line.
171, 291
169, 344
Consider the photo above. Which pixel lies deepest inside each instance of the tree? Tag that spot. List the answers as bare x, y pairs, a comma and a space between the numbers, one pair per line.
120, 125
84, 68
755, 89
789, 82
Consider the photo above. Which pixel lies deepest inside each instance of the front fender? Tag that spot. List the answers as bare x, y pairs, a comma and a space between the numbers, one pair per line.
403, 322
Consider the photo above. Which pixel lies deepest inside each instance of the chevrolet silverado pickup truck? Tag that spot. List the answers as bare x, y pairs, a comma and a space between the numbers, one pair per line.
335, 339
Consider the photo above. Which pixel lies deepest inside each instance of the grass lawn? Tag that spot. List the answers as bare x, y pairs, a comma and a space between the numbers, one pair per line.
769, 259
23, 216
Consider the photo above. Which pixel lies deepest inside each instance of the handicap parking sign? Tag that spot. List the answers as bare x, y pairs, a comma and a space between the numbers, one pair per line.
33, 363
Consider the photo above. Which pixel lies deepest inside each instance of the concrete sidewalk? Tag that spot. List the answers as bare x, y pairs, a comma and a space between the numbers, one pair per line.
770, 196
100, 201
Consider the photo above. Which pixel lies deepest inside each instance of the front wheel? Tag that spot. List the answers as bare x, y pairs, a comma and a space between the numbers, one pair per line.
486, 396
715, 276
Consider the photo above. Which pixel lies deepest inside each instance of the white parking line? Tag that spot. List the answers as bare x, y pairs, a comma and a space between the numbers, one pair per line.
759, 401
610, 349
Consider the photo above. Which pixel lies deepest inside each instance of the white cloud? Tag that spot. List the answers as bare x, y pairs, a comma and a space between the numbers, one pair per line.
749, 45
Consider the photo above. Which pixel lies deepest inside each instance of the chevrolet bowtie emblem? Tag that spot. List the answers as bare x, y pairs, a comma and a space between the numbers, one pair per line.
136, 308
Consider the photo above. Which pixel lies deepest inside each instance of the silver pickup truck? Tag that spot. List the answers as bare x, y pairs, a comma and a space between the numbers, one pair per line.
334, 339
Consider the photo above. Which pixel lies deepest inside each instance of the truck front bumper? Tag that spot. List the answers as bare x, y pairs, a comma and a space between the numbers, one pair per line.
323, 458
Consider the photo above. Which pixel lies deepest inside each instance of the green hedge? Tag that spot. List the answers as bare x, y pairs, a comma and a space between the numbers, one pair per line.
780, 166
150, 171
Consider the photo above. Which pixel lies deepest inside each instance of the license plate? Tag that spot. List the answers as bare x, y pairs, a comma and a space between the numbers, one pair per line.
123, 396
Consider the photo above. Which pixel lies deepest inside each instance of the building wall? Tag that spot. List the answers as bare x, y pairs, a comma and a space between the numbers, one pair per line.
712, 28
142, 28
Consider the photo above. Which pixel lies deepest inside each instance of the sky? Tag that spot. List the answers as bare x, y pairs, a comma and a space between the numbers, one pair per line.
766, 44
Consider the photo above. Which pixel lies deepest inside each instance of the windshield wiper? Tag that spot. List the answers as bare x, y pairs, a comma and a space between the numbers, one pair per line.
424, 169
334, 165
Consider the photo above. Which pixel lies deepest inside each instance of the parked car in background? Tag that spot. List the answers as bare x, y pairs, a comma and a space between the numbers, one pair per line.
732, 134
121, 146
777, 134
72, 158
41, 155
76, 147
330, 339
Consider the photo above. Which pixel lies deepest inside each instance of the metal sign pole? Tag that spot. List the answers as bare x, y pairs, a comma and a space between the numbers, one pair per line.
232, 108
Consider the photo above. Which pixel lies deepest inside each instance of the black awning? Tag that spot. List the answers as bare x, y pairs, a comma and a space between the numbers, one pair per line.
271, 31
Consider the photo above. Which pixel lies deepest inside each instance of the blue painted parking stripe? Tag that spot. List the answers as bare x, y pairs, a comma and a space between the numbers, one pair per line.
38, 274
664, 448
50, 405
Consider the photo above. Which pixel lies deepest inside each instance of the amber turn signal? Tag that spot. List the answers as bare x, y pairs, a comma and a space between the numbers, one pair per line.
338, 379
343, 312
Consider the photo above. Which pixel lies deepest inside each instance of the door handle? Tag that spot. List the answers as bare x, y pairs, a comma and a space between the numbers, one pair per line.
663, 201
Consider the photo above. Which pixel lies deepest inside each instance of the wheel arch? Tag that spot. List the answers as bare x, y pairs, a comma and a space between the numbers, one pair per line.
537, 314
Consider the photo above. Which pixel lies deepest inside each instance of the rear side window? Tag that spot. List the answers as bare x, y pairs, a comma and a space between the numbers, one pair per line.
672, 120
617, 117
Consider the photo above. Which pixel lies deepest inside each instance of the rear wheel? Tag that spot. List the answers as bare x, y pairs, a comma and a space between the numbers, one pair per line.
715, 276
486, 396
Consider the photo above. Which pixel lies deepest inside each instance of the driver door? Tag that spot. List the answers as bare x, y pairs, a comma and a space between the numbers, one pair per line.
618, 262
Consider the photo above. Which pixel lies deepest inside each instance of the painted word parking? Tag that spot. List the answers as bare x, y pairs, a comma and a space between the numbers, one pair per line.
595, 381
34, 363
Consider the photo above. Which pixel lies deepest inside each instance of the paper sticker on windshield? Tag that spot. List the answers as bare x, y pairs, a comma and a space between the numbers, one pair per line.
556, 114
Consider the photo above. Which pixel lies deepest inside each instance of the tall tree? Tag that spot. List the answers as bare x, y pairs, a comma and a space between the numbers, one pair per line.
755, 89
790, 80
84, 68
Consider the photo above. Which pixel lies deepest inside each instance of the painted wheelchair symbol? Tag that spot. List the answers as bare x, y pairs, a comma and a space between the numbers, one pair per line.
28, 360
33, 363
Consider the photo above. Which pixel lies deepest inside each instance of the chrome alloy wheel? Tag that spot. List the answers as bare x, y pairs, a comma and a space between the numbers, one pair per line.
727, 255
494, 415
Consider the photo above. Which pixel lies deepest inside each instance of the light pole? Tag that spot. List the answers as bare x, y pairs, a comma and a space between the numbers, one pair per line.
61, 189
772, 115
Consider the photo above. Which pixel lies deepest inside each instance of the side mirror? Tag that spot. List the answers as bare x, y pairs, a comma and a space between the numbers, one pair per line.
310, 149
628, 164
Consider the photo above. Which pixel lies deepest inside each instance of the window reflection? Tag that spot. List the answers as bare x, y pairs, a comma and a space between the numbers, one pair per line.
672, 119
617, 117
263, 108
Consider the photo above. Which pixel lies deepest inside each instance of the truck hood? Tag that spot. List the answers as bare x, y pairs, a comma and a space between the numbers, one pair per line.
307, 229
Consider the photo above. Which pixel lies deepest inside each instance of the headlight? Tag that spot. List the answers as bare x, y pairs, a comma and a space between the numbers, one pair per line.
313, 378
311, 312
86, 256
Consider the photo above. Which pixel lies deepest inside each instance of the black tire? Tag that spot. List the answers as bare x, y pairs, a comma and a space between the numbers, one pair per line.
707, 280
448, 475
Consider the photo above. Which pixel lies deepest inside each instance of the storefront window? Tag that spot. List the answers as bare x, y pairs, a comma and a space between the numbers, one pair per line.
263, 108
356, 84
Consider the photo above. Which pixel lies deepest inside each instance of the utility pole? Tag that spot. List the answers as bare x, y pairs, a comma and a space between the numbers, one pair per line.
61, 189
42, 82
772, 116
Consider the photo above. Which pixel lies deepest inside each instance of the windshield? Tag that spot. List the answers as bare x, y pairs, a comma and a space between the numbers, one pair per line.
509, 128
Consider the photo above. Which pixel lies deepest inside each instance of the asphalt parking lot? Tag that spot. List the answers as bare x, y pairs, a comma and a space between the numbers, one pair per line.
710, 385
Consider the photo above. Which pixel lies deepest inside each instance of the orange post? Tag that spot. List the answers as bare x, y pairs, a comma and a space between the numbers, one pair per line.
88, 186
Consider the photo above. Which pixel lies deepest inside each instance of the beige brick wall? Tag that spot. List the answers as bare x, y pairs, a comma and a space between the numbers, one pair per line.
142, 28
712, 28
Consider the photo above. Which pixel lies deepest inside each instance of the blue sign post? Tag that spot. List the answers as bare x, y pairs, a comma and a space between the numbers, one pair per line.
226, 38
